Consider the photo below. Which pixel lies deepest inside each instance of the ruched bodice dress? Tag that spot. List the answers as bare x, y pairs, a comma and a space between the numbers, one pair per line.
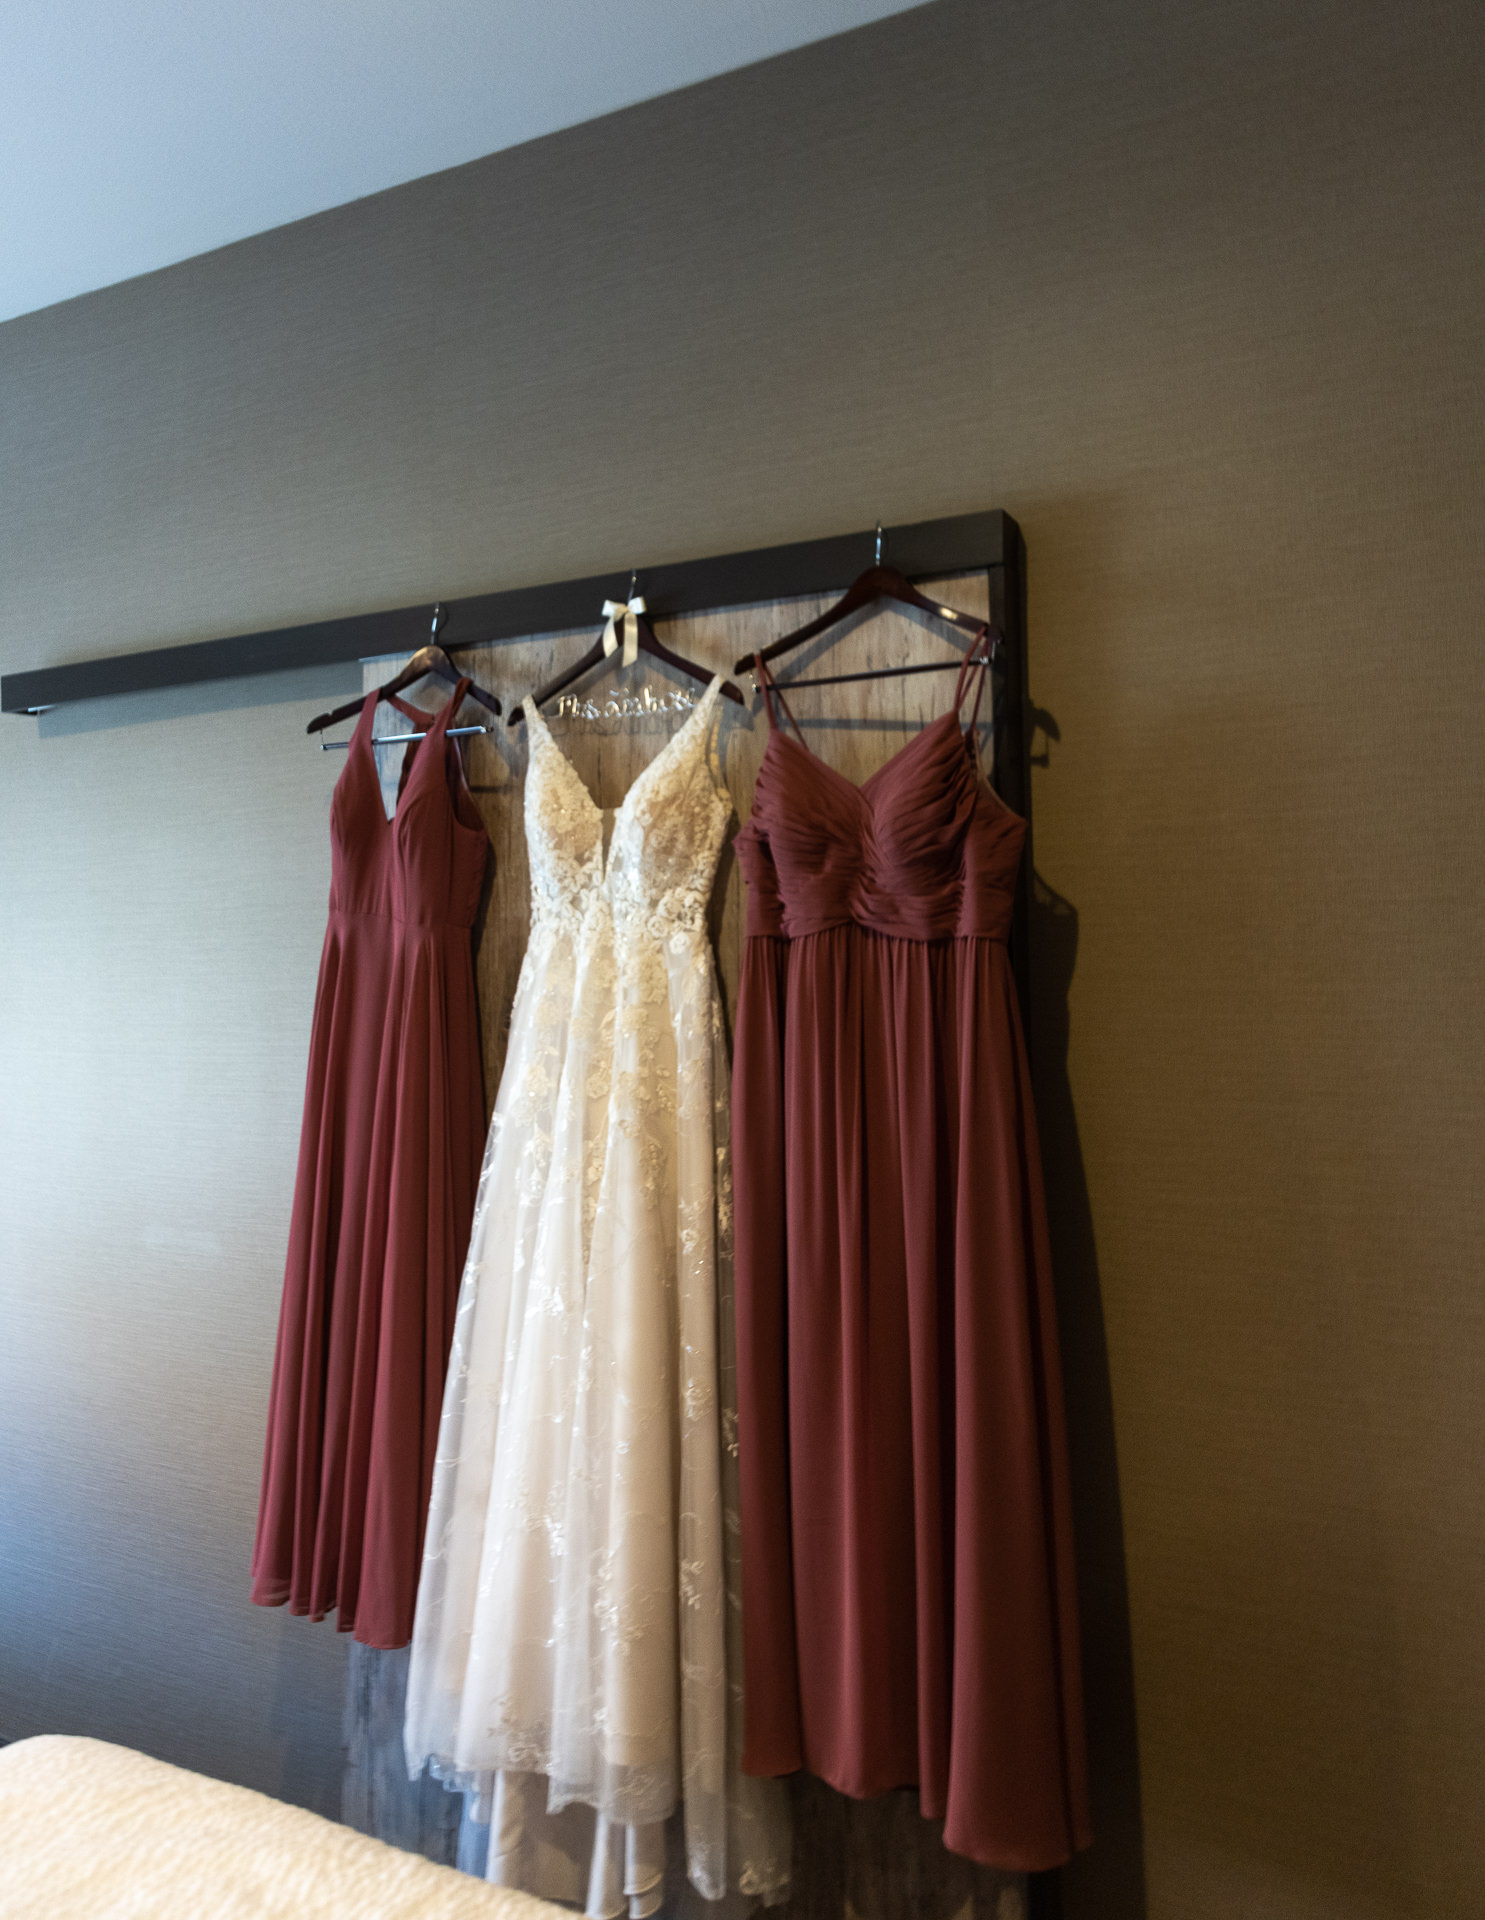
389, 1158
909, 1609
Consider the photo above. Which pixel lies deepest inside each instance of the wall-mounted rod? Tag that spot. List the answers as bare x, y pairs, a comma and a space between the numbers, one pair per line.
395, 739
807, 569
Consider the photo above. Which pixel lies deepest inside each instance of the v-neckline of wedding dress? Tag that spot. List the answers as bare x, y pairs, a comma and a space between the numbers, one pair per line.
698, 714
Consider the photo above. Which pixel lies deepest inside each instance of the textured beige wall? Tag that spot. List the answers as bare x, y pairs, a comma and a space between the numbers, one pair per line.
1196, 294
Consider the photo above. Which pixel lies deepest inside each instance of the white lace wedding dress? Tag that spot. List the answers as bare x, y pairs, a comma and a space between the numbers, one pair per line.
576, 1656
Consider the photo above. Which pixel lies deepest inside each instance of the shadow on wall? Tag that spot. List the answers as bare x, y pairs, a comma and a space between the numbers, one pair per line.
1108, 1881
300, 1676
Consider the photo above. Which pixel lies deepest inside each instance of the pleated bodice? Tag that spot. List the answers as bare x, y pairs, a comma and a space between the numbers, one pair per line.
923, 850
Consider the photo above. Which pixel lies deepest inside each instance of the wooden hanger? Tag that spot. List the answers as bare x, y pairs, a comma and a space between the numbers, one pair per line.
598, 653
877, 583
427, 660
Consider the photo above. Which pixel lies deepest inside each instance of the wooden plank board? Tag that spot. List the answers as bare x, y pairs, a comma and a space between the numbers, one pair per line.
855, 728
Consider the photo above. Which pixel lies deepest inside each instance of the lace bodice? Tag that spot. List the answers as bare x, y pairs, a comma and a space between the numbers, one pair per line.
666, 838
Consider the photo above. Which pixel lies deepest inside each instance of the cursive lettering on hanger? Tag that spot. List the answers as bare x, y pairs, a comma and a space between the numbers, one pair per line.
623, 706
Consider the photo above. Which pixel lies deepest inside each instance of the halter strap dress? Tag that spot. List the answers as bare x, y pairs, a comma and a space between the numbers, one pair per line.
908, 1589
389, 1158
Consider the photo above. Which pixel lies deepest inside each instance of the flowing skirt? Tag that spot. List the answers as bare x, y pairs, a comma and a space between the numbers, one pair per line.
908, 1585
389, 1152
571, 1654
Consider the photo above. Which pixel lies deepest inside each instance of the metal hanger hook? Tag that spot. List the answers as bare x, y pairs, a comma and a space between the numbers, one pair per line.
440, 618
879, 543
633, 582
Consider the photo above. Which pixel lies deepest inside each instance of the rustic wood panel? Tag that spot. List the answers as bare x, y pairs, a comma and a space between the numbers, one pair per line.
867, 1860
854, 727
376, 1795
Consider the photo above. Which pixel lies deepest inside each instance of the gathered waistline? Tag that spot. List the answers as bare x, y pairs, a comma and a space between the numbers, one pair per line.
878, 933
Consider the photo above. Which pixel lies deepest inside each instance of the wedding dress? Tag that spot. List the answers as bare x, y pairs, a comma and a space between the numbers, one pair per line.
576, 1654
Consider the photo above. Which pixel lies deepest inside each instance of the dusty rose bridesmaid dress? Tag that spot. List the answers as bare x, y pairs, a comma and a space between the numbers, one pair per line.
908, 1597
389, 1157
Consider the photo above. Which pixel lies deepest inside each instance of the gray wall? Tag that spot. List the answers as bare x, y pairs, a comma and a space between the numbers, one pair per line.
1195, 293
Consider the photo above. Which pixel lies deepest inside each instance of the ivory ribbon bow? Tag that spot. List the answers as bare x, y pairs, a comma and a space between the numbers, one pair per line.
625, 615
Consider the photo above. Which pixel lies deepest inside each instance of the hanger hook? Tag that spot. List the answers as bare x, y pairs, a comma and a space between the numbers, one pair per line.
879, 543
439, 618
633, 582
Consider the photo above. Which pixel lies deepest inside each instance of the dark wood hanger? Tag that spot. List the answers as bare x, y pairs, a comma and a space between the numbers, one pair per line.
877, 583
649, 643
427, 660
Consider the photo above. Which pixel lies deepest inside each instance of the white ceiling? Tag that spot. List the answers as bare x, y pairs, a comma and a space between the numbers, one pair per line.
138, 132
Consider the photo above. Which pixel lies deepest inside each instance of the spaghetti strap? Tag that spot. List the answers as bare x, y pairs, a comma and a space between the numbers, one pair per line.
452, 705
970, 665
772, 691
967, 667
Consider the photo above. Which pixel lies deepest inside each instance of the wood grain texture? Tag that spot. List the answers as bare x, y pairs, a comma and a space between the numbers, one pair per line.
376, 1796
875, 1860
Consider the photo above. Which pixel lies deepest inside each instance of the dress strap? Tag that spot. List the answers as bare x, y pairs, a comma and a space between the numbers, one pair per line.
366, 717
974, 661
771, 691
451, 706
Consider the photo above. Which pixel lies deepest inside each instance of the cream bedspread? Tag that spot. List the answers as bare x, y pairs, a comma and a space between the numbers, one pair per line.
94, 1832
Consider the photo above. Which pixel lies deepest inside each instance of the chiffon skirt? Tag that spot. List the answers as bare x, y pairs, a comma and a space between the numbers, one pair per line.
389, 1159
908, 1591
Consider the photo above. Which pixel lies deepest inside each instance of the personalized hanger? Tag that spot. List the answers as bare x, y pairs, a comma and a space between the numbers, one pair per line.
430, 659
628, 633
